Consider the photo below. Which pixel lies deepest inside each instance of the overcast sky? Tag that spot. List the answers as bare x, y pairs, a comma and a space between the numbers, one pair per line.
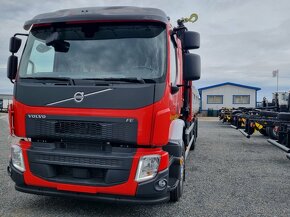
242, 41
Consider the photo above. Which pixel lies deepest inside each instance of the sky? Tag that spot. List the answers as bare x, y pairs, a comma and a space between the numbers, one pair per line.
242, 41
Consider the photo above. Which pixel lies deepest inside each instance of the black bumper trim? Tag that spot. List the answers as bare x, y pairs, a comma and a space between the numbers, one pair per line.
94, 197
15, 174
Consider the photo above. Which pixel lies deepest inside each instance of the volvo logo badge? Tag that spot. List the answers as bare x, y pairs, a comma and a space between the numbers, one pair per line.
37, 116
79, 97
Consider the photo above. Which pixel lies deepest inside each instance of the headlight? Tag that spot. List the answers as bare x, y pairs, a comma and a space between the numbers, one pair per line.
147, 167
17, 158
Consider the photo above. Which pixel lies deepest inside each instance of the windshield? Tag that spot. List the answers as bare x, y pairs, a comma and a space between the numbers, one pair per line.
96, 51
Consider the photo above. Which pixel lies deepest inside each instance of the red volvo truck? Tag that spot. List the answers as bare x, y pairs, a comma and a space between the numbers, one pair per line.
103, 104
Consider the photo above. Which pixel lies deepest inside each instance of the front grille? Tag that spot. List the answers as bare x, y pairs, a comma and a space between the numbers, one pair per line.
66, 127
84, 161
72, 127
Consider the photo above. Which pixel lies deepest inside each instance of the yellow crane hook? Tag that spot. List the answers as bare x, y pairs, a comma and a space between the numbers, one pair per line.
193, 18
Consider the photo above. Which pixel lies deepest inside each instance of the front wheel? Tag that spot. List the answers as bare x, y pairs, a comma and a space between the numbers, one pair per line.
176, 194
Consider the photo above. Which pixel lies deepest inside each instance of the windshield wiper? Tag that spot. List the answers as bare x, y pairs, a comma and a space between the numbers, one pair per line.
70, 80
131, 80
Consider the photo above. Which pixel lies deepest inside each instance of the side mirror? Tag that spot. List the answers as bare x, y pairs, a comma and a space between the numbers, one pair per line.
15, 44
12, 67
190, 40
191, 67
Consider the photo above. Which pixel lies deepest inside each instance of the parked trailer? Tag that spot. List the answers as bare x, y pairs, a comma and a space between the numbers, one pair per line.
269, 120
282, 140
265, 119
102, 105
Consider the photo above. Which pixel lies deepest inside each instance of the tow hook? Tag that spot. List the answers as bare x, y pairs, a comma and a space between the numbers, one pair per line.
9, 171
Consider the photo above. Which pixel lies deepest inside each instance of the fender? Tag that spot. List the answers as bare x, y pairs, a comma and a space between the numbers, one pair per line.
175, 144
176, 130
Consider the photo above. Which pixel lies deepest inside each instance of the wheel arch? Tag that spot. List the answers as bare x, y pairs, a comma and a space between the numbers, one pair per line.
175, 145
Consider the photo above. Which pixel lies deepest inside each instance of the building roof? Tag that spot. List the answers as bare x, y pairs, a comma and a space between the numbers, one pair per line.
229, 83
99, 14
6, 96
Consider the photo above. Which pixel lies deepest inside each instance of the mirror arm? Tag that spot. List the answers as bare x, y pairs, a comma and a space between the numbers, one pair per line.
172, 33
22, 34
185, 51
183, 85
174, 89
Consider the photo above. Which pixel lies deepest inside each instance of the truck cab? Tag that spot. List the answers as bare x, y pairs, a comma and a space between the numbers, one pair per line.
103, 105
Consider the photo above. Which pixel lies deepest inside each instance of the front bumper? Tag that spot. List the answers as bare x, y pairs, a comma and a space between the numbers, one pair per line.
98, 197
146, 192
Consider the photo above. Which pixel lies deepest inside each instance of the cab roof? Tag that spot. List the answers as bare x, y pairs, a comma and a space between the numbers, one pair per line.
99, 13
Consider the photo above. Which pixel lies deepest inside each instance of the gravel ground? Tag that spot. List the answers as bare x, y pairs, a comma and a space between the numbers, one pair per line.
227, 175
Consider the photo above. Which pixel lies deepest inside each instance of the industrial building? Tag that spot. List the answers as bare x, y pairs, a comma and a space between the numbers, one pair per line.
5, 99
228, 94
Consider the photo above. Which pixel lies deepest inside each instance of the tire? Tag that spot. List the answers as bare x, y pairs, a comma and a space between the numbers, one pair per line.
176, 194
267, 131
251, 130
263, 132
196, 129
268, 114
236, 112
285, 116
272, 133
192, 147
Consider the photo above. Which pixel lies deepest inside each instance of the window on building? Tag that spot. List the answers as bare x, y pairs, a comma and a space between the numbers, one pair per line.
214, 99
241, 99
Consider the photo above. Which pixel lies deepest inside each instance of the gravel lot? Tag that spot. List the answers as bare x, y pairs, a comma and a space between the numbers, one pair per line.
227, 175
